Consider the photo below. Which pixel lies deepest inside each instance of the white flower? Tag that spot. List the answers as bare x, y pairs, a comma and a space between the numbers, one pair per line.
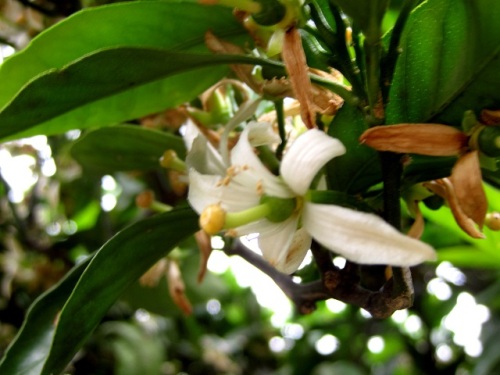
250, 199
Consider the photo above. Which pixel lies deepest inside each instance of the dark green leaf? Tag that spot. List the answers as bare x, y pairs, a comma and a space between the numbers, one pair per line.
120, 262
359, 167
116, 265
103, 74
450, 62
172, 25
124, 148
367, 14
28, 352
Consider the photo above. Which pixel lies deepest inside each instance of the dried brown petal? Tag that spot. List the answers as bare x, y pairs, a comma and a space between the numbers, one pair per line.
490, 117
176, 287
417, 228
465, 222
152, 276
325, 100
422, 139
468, 184
205, 246
295, 61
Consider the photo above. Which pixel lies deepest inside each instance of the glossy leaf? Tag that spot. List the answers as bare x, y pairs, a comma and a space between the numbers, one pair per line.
103, 74
450, 62
171, 25
120, 262
124, 148
359, 167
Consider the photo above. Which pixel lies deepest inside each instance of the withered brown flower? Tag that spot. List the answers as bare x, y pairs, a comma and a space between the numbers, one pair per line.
463, 189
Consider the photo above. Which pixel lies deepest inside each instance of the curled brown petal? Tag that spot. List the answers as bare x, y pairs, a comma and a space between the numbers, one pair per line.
417, 228
464, 221
468, 184
295, 61
205, 246
422, 139
176, 287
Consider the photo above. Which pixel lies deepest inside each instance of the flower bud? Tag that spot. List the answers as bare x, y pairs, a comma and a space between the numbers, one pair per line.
145, 199
492, 221
212, 219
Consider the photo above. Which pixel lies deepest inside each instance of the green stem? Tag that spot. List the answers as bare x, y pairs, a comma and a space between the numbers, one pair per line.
373, 53
237, 219
391, 175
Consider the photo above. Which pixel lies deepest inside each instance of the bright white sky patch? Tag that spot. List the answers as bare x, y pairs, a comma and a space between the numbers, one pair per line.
218, 262
444, 353
327, 344
376, 344
448, 272
413, 324
5, 51
465, 321
440, 289
335, 306
400, 316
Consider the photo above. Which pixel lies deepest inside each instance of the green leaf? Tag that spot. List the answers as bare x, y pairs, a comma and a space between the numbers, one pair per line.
124, 148
103, 74
27, 353
359, 167
120, 262
450, 62
468, 256
171, 25
368, 14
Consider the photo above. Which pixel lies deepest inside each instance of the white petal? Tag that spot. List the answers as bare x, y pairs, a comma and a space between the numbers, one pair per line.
262, 133
296, 253
204, 157
307, 155
205, 190
284, 246
253, 172
363, 238
190, 132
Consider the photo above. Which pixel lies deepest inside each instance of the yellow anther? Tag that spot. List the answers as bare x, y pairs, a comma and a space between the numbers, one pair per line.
212, 219
260, 188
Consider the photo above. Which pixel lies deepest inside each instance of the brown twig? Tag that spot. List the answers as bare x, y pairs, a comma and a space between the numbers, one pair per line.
341, 284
